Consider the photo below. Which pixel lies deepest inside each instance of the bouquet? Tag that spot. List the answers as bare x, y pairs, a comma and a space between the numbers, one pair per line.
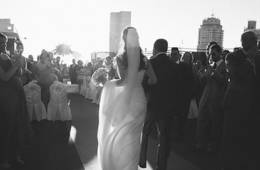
100, 76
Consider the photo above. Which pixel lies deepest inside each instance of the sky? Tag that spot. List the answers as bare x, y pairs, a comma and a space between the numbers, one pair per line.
84, 24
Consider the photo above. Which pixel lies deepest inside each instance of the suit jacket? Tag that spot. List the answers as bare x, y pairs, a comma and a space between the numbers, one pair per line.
160, 94
214, 90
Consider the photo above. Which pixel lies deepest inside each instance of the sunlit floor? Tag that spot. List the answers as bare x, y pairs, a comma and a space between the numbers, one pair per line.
84, 135
93, 165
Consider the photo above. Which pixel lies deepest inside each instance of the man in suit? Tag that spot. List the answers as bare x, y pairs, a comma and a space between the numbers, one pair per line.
210, 106
175, 55
252, 54
159, 105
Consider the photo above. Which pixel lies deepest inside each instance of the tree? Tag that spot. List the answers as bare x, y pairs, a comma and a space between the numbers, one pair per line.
63, 49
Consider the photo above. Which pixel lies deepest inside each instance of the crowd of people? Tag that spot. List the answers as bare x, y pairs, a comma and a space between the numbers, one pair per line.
35, 98
218, 90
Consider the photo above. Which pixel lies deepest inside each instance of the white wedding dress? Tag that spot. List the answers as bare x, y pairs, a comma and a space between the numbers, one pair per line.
121, 118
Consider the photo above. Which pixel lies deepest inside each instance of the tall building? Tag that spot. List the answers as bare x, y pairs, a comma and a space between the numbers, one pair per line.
251, 26
118, 21
7, 28
210, 30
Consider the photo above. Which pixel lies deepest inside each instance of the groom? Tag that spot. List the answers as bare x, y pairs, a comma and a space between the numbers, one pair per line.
159, 105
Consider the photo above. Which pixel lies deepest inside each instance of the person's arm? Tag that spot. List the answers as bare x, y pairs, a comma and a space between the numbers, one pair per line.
5, 76
152, 79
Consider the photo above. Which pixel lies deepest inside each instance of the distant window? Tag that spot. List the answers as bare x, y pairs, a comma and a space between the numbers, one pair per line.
9, 28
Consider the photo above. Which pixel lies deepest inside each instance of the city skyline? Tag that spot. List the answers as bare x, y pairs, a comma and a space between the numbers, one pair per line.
118, 21
210, 30
85, 24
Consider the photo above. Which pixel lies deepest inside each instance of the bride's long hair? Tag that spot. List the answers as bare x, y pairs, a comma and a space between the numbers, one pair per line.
122, 52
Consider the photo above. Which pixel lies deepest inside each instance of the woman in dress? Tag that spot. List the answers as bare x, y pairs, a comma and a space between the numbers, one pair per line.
84, 87
14, 124
89, 72
122, 109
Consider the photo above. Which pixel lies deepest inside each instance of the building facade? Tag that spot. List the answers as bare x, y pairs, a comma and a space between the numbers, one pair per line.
251, 26
7, 28
210, 30
118, 21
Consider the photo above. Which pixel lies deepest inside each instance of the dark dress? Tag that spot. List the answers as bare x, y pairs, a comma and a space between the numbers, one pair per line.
14, 121
238, 120
185, 85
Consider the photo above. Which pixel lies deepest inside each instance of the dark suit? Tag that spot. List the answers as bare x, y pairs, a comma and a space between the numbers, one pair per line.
256, 125
211, 107
159, 109
238, 118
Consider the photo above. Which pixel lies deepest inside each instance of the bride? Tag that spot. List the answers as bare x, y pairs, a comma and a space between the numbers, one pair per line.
122, 108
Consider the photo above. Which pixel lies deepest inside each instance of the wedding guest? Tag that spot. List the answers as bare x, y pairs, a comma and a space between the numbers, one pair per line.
25, 73
210, 106
185, 92
200, 68
252, 54
225, 53
86, 74
14, 122
159, 105
64, 71
208, 48
30, 63
238, 113
98, 79
73, 72
108, 63
175, 55
57, 63
79, 71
